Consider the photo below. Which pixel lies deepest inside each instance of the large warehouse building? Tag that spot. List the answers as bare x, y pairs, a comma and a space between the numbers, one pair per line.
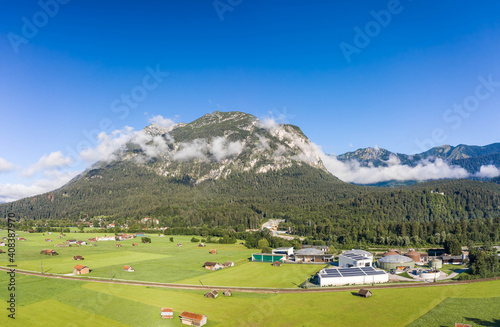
396, 261
351, 276
355, 258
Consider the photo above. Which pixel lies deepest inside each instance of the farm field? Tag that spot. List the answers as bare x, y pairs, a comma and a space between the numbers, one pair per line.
53, 302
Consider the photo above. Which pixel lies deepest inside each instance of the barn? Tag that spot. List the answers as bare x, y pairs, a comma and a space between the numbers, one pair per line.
81, 270
167, 313
128, 268
355, 258
312, 255
77, 257
351, 276
193, 319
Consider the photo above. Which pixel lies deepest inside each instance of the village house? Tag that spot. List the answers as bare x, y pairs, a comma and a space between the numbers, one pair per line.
128, 268
77, 257
2, 243
212, 295
193, 319
167, 313
228, 293
71, 242
81, 270
179, 245
213, 251
81, 243
48, 252
48, 240
229, 264
106, 238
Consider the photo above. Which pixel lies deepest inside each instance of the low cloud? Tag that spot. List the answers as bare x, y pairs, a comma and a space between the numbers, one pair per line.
108, 145
54, 160
489, 171
221, 148
6, 166
53, 180
196, 149
162, 121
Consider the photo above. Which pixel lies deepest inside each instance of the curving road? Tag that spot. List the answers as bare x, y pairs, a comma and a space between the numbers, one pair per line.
243, 289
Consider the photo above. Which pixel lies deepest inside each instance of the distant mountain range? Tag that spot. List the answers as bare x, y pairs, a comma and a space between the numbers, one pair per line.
469, 157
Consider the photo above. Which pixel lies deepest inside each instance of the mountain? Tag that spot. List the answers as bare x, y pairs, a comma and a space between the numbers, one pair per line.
469, 157
229, 169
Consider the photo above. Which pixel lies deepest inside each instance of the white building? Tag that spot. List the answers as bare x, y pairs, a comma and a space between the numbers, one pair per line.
351, 276
355, 258
287, 251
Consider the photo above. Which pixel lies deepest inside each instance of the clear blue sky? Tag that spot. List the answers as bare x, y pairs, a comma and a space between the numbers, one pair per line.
62, 77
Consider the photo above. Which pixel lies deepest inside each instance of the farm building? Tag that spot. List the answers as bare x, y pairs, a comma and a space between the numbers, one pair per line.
48, 240
364, 293
49, 252
452, 259
193, 319
135, 244
2, 243
118, 245
228, 293
213, 251
396, 261
92, 240
81, 270
312, 255
212, 295
1, 251
179, 245
288, 251
106, 238
167, 313
72, 242
201, 245
77, 257
229, 264
351, 276
355, 258
277, 264
213, 266
263, 257
128, 268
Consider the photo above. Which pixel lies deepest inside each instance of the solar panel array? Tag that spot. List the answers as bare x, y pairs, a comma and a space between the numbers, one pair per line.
354, 256
350, 272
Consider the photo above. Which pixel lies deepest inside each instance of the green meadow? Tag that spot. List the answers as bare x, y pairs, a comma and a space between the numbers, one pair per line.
53, 302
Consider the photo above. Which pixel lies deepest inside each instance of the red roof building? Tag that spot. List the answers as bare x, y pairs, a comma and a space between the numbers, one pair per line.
193, 319
167, 313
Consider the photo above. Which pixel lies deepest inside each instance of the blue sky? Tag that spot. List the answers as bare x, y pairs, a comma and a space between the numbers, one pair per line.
65, 68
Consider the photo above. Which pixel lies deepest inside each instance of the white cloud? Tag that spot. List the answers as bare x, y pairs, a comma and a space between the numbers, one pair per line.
52, 161
6, 166
489, 171
55, 179
221, 148
108, 145
162, 121
192, 150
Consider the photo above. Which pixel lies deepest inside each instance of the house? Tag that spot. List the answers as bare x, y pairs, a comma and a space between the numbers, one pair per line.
213, 266
77, 257
92, 240
167, 313
106, 238
59, 245
364, 293
21, 239
228, 293
193, 319
48, 240
118, 245
212, 295
312, 255
49, 252
135, 244
179, 245
72, 242
2, 243
277, 264
128, 268
81, 270
201, 245
452, 259
81, 243
213, 251
229, 264
1, 251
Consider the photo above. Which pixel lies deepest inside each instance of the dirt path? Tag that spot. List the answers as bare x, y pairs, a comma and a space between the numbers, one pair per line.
243, 289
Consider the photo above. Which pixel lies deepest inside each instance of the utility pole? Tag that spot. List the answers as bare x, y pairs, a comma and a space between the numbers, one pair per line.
41, 266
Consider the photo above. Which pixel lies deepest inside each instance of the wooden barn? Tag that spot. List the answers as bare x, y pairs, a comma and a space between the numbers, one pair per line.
364, 293
213, 251
135, 244
193, 319
77, 257
118, 245
229, 264
128, 268
228, 293
277, 264
212, 295
81, 270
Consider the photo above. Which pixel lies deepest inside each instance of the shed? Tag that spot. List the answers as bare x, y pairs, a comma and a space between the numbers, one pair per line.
167, 313
228, 293
229, 264
179, 245
277, 264
135, 244
213, 251
118, 245
193, 319
213, 266
77, 257
364, 293
212, 295
128, 268
201, 245
81, 270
